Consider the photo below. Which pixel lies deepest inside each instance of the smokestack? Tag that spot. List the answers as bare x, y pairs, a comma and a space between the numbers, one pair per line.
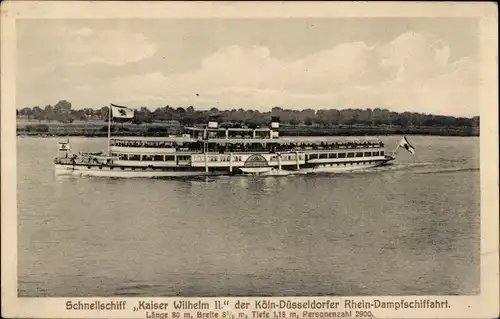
213, 122
275, 125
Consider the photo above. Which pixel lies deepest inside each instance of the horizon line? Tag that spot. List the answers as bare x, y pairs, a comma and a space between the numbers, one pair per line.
152, 109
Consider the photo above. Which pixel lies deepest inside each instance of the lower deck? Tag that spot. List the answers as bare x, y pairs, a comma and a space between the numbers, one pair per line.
225, 161
251, 163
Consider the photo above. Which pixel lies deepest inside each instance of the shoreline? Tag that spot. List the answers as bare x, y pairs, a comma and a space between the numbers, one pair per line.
160, 129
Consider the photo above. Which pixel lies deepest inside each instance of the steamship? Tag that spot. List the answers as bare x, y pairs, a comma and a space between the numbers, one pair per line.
212, 150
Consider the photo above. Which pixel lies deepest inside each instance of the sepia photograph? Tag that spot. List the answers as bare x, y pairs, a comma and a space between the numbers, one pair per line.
248, 156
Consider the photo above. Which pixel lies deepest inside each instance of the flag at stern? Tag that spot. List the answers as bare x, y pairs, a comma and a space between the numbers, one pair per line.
406, 145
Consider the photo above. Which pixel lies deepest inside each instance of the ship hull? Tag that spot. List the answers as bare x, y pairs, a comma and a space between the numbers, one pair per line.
77, 170
158, 172
348, 167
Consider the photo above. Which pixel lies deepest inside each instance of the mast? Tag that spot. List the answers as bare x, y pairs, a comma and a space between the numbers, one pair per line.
109, 128
397, 147
395, 150
205, 150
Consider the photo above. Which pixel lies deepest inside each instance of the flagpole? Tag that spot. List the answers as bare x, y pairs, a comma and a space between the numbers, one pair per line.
397, 147
109, 128
395, 150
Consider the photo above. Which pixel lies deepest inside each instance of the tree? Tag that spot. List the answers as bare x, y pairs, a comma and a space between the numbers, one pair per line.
81, 115
89, 113
276, 110
143, 115
62, 111
181, 112
236, 117
49, 113
38, 113
25, 112
103, 113
475, 121
251, 123
187, 121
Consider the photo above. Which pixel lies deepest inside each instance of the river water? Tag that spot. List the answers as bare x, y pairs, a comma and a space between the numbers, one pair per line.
412, 228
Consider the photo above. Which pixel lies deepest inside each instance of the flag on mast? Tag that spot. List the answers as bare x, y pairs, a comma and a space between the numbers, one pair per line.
406, 145
122, 112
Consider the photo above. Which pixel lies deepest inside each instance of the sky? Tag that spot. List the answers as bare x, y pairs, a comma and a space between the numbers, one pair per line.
424, 65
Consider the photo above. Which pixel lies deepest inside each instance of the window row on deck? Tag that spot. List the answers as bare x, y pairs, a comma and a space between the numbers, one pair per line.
173, 158
139, 157
215, 158
223, 147
345, 155
237, 158
287, 157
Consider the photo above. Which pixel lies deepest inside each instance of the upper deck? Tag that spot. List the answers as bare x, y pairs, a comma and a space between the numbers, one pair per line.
170, 145
211, 138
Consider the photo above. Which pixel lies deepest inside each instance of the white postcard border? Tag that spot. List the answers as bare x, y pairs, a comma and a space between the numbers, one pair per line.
485, 305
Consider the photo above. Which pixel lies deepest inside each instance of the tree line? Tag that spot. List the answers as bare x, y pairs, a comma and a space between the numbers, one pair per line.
63, 112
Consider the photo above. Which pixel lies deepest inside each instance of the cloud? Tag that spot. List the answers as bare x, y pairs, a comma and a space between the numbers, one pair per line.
83, 32
416, 55
114, 47
413, 72
426, 80
452, 91
75, 48
231, 68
